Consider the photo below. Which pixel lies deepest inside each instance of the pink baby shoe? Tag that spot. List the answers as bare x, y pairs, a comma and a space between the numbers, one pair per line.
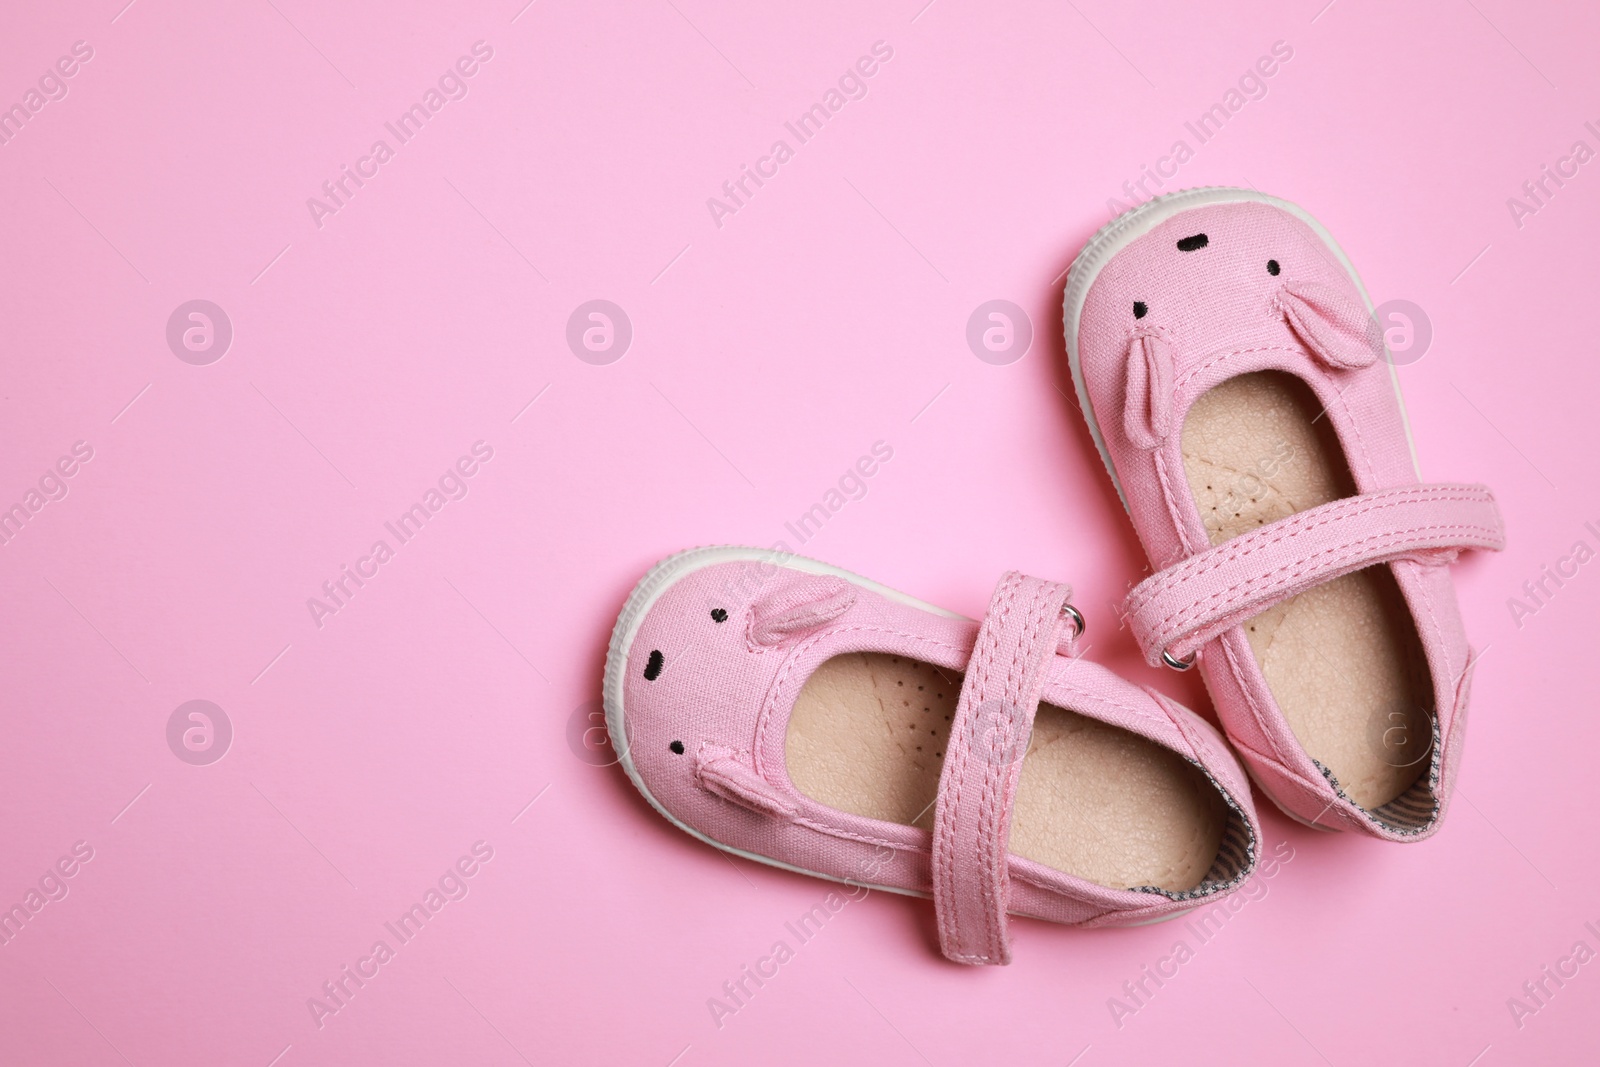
1240, 392
792, 713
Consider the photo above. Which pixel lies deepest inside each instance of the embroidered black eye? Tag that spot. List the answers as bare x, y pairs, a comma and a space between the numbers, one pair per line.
677, 748
1273, 268
652, 670
719, 615
1139, 309
1193, 242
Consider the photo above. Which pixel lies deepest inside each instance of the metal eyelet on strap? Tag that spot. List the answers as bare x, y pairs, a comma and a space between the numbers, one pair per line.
1175, 663
1074, 616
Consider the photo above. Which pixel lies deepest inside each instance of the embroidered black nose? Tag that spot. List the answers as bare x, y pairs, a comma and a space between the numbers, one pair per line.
652, 670
1189, 244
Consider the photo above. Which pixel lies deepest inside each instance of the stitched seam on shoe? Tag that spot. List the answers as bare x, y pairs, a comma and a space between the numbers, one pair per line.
1183, 379
1164, 478
1198, 565
1004, 600
1302, 567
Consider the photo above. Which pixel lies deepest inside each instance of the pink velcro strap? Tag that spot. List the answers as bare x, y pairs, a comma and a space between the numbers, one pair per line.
1178, 610
983, 763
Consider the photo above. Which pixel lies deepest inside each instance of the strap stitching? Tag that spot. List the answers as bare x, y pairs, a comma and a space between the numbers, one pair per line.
1205, 561
989, 777
945, 843
1299, 568
983, 842
991, 811
1258, 539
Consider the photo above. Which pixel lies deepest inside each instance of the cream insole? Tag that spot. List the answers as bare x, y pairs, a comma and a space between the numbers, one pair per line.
1343, 659
868, 735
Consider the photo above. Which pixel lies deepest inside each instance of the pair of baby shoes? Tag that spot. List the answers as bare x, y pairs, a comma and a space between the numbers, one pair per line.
1238, 387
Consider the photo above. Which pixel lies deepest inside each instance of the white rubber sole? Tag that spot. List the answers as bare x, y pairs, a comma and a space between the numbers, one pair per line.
1131, 225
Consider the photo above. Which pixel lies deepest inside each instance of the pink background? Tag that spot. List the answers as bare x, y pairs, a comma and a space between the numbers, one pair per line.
828, 313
